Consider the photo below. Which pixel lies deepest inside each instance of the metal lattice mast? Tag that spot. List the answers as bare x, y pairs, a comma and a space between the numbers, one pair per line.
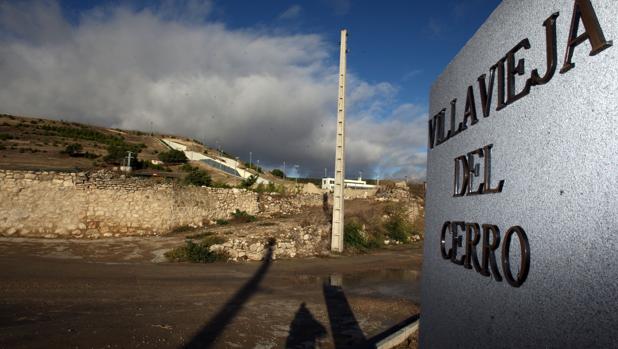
337, 233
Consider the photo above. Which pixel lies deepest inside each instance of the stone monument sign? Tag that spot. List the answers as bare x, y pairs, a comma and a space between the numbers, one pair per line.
521, 236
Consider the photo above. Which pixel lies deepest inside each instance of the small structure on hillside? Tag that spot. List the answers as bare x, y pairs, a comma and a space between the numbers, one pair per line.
329, 184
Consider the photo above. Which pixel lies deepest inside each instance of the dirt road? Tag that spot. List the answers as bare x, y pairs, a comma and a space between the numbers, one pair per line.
61, 294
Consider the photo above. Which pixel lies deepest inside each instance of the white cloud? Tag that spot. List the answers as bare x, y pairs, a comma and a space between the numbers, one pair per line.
274, 95
411, 74
291, 13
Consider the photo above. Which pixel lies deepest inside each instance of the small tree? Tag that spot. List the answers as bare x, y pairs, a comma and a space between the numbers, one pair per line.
74, 149
278, 173
248, 182
173, 157
116, 153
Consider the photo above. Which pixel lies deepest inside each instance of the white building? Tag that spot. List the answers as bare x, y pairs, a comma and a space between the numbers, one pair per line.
329, 183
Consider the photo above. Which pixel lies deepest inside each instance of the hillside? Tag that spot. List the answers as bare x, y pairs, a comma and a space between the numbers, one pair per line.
43, 144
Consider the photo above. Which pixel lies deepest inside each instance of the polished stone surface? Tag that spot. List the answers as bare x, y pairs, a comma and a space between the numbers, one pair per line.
557, 150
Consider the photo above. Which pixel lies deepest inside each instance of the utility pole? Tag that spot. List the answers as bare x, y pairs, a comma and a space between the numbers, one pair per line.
336, 243
250, 159
325, 172
284, 174
129, 158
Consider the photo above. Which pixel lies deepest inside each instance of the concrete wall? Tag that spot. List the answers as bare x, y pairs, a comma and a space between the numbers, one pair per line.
104, 204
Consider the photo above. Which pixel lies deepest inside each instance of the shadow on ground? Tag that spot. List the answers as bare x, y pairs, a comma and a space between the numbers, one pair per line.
207, 336
305, 330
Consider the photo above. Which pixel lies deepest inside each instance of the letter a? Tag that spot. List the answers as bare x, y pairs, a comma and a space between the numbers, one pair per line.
584, 11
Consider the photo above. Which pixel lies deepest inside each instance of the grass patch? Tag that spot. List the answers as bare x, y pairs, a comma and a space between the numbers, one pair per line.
270, 188
198, 252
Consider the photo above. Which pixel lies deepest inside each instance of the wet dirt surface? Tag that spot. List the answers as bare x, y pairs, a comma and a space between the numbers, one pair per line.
113, 294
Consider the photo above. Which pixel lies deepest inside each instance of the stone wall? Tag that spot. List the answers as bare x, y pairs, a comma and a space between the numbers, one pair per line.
275, 204
289, 240
104, 204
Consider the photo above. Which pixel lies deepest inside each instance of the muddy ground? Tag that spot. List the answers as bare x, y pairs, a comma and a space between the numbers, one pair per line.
119, 293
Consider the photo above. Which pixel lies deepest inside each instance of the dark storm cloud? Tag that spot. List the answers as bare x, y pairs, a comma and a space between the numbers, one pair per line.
274, 95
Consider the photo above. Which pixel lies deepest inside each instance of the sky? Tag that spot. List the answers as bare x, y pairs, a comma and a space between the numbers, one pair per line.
248, 76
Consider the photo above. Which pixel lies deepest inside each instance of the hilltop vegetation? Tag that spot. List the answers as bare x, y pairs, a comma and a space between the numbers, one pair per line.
41, 144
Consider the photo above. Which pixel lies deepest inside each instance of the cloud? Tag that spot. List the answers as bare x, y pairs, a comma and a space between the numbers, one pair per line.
194, 11
274, 95
291, 13
411, 74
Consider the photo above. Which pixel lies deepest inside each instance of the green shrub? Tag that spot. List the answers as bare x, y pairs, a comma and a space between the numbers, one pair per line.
173, 156
222, 222
74, 149
198, 177
243, 217
398, 228
352, 235
277, 173
117, 152
248, 182
198, 252
4, 137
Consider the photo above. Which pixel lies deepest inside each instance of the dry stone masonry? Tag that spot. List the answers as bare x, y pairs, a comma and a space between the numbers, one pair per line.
105, 204
251, 242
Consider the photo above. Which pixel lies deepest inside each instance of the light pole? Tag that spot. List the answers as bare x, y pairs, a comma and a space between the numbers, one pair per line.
284, 174
250, 159
325, 172
297, 174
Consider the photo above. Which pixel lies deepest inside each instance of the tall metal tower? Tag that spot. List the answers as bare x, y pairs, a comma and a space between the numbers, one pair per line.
336, 244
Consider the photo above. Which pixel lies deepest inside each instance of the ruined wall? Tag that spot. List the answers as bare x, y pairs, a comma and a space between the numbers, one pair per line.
104, 204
